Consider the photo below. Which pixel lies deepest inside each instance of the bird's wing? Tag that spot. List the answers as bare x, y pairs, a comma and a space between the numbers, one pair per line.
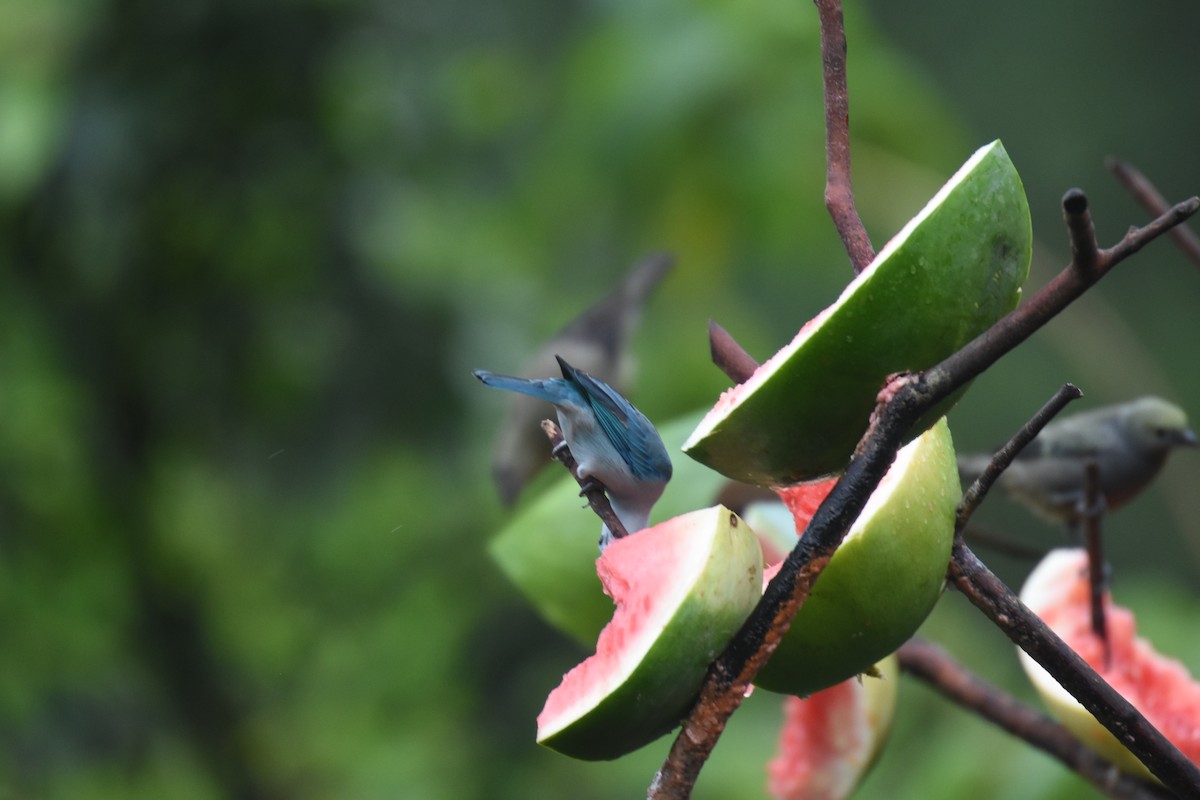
1082, 436
624, 425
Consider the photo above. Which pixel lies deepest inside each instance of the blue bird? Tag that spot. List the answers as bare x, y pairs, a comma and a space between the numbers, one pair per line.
597, 342
611, 440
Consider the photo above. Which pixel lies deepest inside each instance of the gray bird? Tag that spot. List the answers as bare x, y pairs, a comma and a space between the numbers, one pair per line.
1129, 444
596, 342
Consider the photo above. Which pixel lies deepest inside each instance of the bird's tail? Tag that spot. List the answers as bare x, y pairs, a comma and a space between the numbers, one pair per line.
548, 390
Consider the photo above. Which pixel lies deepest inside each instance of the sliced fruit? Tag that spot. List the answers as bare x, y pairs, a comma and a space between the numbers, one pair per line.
548, 549
682, 589
885, 578
1160, 687
830, 740
952, 271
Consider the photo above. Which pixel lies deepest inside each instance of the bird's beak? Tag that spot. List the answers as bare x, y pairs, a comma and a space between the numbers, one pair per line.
1188, 437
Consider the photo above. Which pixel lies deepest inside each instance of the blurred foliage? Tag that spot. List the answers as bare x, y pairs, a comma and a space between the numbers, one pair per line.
251, 251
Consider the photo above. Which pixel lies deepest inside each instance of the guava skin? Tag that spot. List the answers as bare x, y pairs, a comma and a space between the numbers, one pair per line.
882, 581
945, 278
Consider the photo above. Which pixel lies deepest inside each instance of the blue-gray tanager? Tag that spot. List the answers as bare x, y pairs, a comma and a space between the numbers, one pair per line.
611, 440
1129, 444
597, 342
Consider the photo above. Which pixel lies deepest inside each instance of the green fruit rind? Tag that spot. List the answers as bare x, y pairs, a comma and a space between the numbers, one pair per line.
882, 688
951, 272
883, 580
548, 548
682, 590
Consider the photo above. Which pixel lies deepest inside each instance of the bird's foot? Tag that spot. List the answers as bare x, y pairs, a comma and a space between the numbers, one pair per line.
589, 485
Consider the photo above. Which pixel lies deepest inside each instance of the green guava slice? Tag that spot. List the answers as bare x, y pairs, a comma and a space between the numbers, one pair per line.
1161, 688
830, 741
682, 589
548, 548
951, 272
882, 581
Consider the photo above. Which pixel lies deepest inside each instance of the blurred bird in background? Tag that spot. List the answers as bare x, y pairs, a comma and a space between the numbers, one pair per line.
611, 440
1129, 444
597, 342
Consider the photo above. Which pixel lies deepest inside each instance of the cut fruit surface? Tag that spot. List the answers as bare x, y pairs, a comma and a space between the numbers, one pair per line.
952, 271
548, 548
1161, 688
682, 589
830, 740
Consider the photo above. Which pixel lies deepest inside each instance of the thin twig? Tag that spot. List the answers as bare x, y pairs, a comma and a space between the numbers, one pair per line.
839, 193
933, 665
1152, 200
590, 488
1092, 512
1005, 455
728, 355
904, 401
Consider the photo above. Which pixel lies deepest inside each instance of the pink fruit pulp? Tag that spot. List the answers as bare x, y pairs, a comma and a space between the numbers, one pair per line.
803, 499
1160, 687
632, 571
824, 745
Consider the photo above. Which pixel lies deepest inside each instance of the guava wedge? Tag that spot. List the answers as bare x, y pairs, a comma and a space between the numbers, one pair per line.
1160, 687
548, 548
885, 578
830, 741
951, 272
682, 589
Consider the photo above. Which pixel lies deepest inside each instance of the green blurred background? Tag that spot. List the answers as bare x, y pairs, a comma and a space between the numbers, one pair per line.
252, 250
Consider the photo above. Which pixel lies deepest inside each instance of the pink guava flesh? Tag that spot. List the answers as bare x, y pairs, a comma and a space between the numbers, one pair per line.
1159, 687
633, 571
824, 745
804, 498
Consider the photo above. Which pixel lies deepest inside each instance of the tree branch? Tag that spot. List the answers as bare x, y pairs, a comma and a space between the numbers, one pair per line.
728, 355
1061, 291
839, 193
1152, 200
1084, 252
901, 405
590, 488
1092, 512
931, 664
